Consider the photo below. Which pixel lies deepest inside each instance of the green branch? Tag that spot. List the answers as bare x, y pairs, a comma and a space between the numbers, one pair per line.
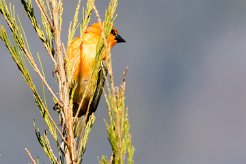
69, 148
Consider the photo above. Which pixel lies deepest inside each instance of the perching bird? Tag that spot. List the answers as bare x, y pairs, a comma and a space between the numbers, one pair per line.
79, 62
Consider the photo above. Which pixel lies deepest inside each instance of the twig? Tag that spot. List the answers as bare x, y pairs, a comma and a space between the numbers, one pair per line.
36, 69
44, 14
57, 128
37, 27
49, 147
30, 156
63, 88
51, 27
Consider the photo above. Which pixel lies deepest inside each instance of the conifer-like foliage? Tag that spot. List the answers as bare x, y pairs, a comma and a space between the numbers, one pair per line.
57, 140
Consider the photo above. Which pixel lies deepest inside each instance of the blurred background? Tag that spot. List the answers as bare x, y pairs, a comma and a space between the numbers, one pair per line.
186, 85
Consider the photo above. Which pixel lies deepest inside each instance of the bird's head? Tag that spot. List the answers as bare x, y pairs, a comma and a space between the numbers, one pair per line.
113, 37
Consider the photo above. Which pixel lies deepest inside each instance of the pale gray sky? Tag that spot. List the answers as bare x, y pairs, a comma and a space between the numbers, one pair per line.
186, 86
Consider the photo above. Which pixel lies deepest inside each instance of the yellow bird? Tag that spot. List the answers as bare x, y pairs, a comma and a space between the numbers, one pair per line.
81, 53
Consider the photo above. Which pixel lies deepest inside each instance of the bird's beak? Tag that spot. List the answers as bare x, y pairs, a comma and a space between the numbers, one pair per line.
119, 39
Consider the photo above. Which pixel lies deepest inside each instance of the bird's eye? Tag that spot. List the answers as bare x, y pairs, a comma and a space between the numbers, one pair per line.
113, 32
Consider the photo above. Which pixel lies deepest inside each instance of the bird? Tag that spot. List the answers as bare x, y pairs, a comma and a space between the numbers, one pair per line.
80, 57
